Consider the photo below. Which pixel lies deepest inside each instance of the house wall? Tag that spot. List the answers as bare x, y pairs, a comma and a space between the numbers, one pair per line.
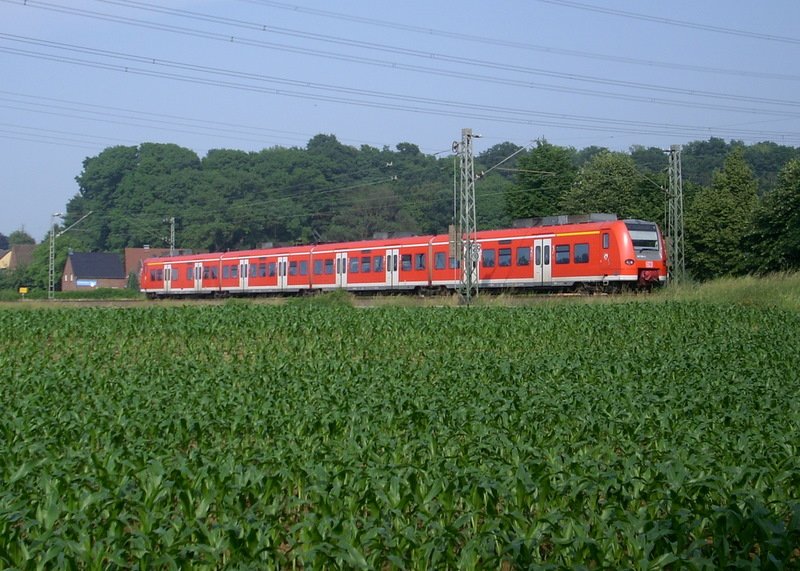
70, 283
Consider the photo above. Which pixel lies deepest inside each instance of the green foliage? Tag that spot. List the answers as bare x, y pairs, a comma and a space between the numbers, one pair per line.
19, 237
776, 233
610, 183
251, 436
718, 220
335, 298
545, 174
100, 294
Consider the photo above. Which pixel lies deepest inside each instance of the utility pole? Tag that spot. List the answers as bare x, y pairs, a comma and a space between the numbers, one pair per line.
467, 248
675, 242
172, 236
51, 270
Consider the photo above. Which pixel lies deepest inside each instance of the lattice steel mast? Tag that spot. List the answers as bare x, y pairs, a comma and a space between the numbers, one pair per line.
467, 248
676, 262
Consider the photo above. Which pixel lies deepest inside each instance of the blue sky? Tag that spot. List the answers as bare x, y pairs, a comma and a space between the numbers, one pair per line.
82, 75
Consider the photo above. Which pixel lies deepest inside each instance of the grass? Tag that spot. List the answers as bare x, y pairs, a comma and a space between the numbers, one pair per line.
780, 290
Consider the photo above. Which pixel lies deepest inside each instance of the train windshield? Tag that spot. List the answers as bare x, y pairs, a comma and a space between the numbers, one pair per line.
644, 235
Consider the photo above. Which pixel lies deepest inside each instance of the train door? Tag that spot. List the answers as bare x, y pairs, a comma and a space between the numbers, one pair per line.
542, 258
167, 278
392, 268
283, 272
341, 269
243, 267
198, 276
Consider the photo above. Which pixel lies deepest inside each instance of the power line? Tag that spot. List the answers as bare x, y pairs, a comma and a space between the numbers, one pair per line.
520, 45
671, 22
428, 56
376, 99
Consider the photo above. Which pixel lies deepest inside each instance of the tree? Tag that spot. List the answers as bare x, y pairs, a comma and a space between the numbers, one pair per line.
719, 218
3, 241
545, 174
18, 237
776, 226
651, 159
506, 155
607, 183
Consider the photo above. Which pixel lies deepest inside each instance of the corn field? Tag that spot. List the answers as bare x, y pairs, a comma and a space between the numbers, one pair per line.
633, 435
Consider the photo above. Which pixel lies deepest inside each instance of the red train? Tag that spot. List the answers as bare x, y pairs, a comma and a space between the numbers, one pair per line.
604, 255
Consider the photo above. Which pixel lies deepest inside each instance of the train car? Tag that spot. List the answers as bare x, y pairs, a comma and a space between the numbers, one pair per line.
595, 255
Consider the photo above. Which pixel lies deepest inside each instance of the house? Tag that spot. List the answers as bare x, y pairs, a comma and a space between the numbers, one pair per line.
135, 256
19, 255
93, 270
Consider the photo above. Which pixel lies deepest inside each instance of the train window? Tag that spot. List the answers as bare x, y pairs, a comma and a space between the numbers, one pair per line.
440, 260
504, 257
405, 262
214, 272
562, 254
547, 255
317, 267
605, 240
262, 270
226, 272
206, 272
366, 264
244, 270
538, 256
419, 261
271, 269
377, 263
234, 271
488, 258
354, 265
329, 266
523, 256
454, 263
303, 267
189, 273
293, 268
581, 254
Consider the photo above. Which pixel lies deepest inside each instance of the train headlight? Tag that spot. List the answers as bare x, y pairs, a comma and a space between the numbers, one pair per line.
629, 262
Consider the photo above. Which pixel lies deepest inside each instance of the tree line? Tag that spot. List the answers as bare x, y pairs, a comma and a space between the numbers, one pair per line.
742, 202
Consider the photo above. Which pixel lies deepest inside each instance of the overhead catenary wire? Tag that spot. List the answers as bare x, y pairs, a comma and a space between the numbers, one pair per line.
486, 40
427, 56
368, 98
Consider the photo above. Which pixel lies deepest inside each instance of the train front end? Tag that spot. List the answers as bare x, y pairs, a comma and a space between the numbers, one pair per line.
647, 253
